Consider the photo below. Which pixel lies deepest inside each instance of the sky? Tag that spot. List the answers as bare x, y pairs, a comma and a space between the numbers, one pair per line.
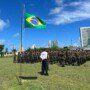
63, 17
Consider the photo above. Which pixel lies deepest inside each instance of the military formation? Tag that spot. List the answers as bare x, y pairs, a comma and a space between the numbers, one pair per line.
62, 57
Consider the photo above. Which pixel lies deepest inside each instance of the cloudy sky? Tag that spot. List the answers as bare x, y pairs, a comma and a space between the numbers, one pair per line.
63, 18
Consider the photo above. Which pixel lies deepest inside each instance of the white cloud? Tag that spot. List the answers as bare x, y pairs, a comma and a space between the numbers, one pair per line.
56, 10
2, 41
75, 3
16, 35
3, 24
59, 2
62, 16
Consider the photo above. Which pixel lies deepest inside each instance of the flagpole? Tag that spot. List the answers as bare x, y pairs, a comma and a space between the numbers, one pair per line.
21, 37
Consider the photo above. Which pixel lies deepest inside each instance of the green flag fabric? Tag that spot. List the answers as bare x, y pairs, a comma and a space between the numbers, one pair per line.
31, 21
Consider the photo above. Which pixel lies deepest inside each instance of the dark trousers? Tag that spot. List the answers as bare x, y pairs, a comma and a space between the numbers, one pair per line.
14, 59
44, 67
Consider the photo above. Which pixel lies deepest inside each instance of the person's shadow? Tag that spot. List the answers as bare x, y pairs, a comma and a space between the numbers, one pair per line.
25, 78
40, 73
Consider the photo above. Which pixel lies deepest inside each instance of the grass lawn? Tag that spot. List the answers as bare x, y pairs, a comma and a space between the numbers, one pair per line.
60, 78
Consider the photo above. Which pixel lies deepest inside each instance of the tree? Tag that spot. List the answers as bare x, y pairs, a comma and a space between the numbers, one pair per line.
28, 49
1, 48
6, 50
14, 50
66, 48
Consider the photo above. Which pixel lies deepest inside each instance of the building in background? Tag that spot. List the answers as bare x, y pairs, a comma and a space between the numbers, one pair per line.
55, 43
52, 43
85, 37
34, 46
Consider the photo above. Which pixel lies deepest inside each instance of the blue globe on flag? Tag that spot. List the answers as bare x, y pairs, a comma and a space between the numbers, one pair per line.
34, 21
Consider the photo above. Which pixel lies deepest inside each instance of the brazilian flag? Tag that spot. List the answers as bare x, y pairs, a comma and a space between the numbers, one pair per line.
31, 21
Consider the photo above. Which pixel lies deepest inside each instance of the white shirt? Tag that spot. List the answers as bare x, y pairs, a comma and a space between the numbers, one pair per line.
44, 55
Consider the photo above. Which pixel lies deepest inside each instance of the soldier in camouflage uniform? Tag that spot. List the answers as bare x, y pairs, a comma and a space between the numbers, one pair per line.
62, 59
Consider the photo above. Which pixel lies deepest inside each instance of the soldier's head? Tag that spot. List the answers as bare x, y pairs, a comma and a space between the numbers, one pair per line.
44, 49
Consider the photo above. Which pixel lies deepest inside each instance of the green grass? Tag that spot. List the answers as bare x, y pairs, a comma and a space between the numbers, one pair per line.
66, 78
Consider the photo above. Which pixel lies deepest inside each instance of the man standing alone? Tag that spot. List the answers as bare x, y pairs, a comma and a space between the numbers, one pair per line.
44, 57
